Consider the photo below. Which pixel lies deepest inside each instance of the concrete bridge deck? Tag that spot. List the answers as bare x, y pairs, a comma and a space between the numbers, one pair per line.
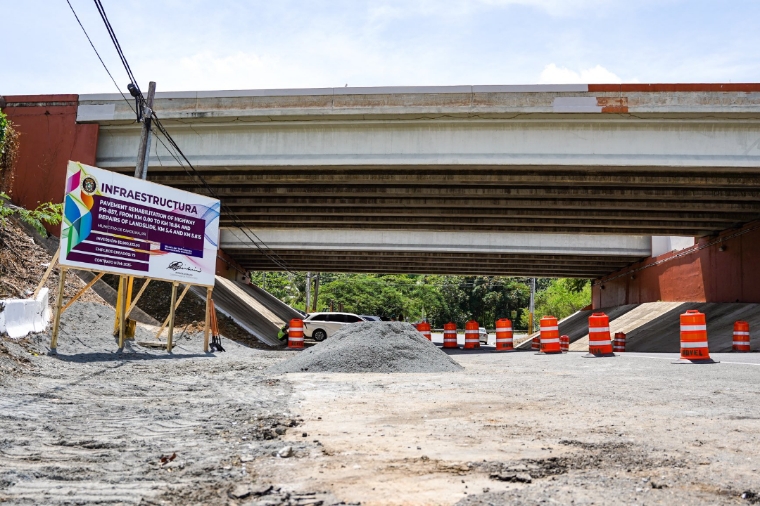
586, 160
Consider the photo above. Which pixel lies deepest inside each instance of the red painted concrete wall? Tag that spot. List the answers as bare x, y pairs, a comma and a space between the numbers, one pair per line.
49, 138
725, 268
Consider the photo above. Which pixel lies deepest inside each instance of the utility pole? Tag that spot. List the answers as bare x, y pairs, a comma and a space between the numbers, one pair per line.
315, 301
308, 291
141, 172
141, 168
532, 305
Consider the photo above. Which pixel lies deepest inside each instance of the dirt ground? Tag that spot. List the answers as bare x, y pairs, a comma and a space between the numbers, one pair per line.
92, 426
191, 313
23, 263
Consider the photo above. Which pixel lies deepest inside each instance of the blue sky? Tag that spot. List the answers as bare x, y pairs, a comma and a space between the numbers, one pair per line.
236, 44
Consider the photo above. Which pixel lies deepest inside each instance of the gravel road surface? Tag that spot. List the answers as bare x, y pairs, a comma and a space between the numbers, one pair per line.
91, 426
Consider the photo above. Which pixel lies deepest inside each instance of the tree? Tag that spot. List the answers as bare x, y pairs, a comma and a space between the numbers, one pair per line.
561, 298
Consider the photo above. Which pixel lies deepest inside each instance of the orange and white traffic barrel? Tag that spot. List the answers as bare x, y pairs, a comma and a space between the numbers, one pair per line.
599, 342
295, 334
564, 343
619, 342
504, 335
549, 336
535, 343
471, 335
450, 335
424, 329
694, 349
741, 336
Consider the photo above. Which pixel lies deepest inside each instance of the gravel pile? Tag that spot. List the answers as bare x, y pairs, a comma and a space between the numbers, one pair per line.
87, 330
371, 347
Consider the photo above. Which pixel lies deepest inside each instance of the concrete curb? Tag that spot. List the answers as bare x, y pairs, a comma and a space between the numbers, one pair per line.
19, 317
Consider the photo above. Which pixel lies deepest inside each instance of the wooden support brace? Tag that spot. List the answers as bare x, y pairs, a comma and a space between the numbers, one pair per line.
81, 292
119, 291
130, 282
137, 297
121, 310
47, 273
58, 304
174, 306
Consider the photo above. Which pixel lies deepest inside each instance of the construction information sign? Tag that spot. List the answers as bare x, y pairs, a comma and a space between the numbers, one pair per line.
124, 225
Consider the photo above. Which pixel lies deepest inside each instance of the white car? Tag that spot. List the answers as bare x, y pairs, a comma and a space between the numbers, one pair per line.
320, 326
483, 335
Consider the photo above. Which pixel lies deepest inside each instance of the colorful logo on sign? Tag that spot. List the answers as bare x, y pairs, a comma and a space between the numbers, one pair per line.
78, 202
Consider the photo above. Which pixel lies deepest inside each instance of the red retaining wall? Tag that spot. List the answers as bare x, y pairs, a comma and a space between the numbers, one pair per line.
49, 138
723, 268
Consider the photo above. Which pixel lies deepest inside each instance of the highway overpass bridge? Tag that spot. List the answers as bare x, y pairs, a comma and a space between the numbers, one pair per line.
569, 180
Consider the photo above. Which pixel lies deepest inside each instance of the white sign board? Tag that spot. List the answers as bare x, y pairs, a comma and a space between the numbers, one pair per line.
124, 225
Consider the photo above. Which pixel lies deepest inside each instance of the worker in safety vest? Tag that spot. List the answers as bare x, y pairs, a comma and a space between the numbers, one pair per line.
282, 335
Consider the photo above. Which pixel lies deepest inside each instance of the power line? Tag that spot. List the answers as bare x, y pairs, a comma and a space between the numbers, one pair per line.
98, 55
140, 101
237, 221
116, 44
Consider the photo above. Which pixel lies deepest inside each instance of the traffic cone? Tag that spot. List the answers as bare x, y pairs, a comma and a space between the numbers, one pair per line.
549, 336
471, 335
450, 335
694, 349
741, 337
424, 329
618, 345
504, 335
295, 334
599, 343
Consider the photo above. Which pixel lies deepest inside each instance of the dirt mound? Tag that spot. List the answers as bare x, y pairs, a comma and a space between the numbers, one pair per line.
23, 263
371, 347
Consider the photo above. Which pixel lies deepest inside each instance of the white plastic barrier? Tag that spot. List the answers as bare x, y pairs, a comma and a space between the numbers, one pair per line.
19, 317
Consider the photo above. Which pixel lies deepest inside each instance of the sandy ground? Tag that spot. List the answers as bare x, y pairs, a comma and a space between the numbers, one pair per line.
91, 426
633, 429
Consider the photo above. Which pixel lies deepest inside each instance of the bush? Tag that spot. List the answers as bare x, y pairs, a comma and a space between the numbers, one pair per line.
47, 213
8, 153
561, 298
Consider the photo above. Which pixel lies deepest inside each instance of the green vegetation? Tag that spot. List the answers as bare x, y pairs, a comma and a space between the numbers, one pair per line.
560, 298
45, 213
8, 152
440, 299
3, 128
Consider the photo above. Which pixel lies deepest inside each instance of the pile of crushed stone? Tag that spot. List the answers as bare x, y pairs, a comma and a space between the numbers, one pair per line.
371, 347
87, 328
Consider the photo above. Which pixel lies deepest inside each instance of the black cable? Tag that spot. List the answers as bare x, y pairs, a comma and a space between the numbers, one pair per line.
140, 102
276, 259
116, 44
98, 55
